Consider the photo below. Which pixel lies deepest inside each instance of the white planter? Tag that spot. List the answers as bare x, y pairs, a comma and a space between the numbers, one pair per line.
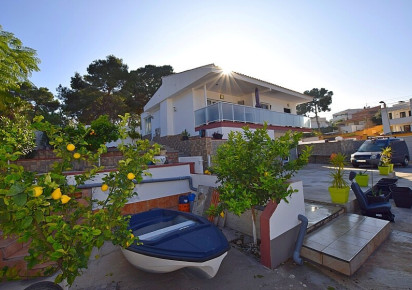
159, 159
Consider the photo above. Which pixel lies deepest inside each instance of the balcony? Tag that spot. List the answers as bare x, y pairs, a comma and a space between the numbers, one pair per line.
238, 113
401, 121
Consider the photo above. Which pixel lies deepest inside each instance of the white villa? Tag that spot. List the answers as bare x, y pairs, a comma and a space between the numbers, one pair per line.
397, 118
208, 100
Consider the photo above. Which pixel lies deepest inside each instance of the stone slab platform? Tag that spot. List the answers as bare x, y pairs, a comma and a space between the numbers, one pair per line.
345, 243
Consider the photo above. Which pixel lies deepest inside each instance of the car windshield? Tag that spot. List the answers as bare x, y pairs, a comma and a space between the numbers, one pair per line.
373, 146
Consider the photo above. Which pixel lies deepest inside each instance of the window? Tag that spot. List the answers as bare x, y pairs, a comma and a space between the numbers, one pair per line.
403, 114
265, 106
390, 115
409, 113
286, 110
242, 102
148, 128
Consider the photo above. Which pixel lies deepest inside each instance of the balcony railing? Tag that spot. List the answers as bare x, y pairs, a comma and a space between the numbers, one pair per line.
238, 113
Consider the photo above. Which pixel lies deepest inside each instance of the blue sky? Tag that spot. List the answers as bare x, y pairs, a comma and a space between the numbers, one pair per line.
358, 49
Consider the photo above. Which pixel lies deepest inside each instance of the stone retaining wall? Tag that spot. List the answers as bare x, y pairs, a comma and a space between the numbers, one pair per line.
321, 151
42, 160
195, 146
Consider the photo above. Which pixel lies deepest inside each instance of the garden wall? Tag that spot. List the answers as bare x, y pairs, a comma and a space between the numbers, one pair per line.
321, 151
195, 146
40, 161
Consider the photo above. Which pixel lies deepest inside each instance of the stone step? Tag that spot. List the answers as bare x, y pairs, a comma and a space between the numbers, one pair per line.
345, 243
9, 246
20, 254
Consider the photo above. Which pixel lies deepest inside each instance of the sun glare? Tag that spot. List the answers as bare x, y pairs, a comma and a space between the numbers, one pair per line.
226, 71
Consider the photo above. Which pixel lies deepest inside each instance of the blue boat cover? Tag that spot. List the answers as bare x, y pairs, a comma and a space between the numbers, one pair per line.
174, 235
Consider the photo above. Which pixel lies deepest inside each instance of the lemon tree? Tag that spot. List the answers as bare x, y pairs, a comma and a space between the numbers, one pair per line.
43, 208
251, 170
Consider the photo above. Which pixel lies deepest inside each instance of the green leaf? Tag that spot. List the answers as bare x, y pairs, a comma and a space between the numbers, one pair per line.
96, 232
27, 222
20, 199
50, 239
20, 214
59, 278
39, 216
15, 189
56, 255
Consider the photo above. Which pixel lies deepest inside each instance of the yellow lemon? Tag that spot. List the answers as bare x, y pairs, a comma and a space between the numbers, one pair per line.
266, 173
222, 214
57, 194
65, 199
38, 190
130, 176
132, 236
70, 147
76, 155
104, 187
207, 171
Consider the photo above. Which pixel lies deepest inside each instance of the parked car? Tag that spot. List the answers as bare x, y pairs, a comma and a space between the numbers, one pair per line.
369, 153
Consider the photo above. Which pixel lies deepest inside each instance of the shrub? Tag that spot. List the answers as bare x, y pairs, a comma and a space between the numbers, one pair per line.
42, 208
17, 134
251, 170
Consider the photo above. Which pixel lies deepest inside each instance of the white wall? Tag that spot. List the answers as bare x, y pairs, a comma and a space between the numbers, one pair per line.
352, 128
166, 120
226, 97
198, 99
173, 83
183, 117
156, 121
277, 104
197, 160
285, 216
203, 179
149, 191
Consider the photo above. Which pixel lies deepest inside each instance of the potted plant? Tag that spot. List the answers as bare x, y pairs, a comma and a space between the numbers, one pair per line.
251, 173
362, 178
385, 161
160, 156
185, 135
339, 191
217, 135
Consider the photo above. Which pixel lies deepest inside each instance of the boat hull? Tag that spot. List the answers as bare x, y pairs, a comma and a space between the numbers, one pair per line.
158, 265
170, 240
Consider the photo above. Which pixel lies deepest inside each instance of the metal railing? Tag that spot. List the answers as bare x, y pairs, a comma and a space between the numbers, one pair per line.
239, 113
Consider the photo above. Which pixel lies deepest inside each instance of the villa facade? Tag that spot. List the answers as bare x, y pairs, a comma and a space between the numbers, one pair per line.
206, 100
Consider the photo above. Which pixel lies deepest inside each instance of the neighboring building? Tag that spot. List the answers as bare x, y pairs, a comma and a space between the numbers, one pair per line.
323, 123
208, 100
359, 120
344, 115
397, 118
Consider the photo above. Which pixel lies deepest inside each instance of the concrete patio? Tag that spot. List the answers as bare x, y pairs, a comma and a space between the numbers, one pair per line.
389, 267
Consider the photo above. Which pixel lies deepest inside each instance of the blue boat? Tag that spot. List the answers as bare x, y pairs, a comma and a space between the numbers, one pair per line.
172, 240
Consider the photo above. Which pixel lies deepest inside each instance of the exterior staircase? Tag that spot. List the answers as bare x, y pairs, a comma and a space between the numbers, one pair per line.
12, 254
342, 241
